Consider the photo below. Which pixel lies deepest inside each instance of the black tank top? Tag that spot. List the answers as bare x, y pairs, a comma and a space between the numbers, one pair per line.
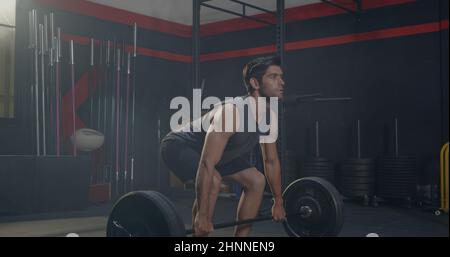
239, 144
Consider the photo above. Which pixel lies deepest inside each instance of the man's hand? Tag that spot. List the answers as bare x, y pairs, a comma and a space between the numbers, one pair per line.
278, 212
202, 226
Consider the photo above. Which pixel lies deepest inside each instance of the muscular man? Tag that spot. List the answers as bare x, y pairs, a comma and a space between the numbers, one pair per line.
216, 152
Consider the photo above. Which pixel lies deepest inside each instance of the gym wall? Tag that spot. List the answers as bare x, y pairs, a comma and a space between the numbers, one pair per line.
393, 61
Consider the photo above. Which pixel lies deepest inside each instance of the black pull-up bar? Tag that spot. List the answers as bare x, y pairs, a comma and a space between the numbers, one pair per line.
243, 15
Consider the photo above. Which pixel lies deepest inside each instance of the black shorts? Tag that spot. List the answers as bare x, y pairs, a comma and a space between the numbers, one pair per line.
183, 160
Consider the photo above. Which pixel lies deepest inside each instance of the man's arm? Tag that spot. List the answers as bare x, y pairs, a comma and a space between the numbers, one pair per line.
273, 174
272, 169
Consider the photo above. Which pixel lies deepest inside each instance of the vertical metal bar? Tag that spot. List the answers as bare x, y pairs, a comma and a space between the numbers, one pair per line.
42, 50
280, 43
317, 140
127, 105
59, 42
359, 139
105, 90
51, 101
58, 95
118, 64
46, 33
30, 29
29, 117
133, 105
72, 78
123, 53
92, 53
396, 138
135, 28
52, 30
99, 84
196, 43
36, 82
90, 83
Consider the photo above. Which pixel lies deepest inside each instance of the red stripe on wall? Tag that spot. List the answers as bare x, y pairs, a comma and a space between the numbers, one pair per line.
76, 39
330, 41
116, 15
81, 95
291, 46
164, 55
300, 13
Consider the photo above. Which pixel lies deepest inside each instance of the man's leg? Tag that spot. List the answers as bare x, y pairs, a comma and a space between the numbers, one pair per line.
253, 183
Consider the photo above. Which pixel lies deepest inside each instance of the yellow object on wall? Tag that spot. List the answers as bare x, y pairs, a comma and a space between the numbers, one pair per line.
444, 179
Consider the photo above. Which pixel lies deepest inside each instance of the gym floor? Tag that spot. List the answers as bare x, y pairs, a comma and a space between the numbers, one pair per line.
384, 220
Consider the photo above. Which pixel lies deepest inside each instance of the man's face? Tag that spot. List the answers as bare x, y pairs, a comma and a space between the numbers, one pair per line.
272, 83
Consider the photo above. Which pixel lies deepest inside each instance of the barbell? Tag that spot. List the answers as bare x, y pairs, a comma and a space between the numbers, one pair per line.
314, 208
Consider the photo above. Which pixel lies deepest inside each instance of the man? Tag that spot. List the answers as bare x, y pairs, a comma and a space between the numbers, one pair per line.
217, 153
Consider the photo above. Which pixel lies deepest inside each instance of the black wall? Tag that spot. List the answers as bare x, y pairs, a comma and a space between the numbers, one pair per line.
404, 77
401, 76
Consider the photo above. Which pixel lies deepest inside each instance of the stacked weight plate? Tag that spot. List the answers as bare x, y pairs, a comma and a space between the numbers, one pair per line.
396, 177
319, 167
357, 175
357, 178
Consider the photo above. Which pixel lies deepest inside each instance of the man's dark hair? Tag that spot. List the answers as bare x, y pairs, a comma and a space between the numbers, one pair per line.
257, 68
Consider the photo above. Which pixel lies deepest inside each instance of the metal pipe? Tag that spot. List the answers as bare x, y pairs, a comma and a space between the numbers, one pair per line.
117, 119
99, 85
51, 101
72, 78
108, 54
58, 96
339, 6
52, 30
237, 14
42, 50
127, 104
30, 29
92, 53
46, 33
36, 82
254, 7
133, 105
90, 84
359, 139
59, 42
396, 138
135, 28
317, 140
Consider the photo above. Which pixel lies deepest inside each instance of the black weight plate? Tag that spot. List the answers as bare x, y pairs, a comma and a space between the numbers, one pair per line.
324, 201
356, 168
356, 161
357, 175
356, 180
144, 214
357, 193
308, 167
358, 186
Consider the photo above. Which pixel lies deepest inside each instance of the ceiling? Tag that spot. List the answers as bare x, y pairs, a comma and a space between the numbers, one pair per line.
180, 11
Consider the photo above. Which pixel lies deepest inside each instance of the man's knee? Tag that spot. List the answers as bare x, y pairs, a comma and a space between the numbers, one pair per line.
254, 181
216, 183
